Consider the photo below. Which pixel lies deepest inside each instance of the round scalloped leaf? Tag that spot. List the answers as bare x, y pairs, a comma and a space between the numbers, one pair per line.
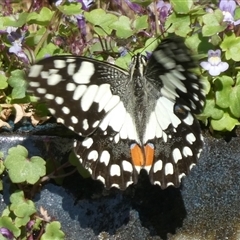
211, 110
179, 24
234, 99
223, 86
22, 169
7, 222
213, 23
226, 123
98, 17
53, 232
122, 27
22, 208
18, 83
231, 44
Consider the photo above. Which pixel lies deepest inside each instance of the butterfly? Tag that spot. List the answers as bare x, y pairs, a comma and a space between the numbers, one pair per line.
130, 120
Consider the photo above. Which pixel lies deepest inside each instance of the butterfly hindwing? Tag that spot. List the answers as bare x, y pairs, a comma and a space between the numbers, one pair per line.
107, 158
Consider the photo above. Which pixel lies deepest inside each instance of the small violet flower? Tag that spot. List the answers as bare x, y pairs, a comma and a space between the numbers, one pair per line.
16, 40
228, 9
6, 233
214, 65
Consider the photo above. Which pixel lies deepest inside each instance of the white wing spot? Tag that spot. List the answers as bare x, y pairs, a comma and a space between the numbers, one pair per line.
127, 166
93, 155
71, 128
191, 166
65, 110
59, 100
190, 138
115, 170
71, 69
35, 71
187, 151
195, 96
70, 87
52, 111
157, 166
79, 91
100, 178
41, 90
189, 119
74, 120
95, 124
60, 120
54, 79
88, 97
176, 155
180, 176
85, 124
105, 157
84, 74
87, 142
34, 84
168, 169
58, 63
49, 96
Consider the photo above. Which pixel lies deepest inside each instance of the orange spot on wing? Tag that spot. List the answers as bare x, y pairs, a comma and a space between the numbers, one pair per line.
137, 155
141, 158
149, 154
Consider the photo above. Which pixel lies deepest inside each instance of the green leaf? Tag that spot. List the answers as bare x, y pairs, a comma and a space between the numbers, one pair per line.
213, 23
18, 83
53, 232
21, 169
100, 20
70, 8
43, 17
143, 3
211, 110
7, 222
226, 123
3, 81
22, 208
182, 7
2, 166
231, 44
11, 21
141, 23
122, 27
234, 101
48, 50
223, 86
75, 162
178, 24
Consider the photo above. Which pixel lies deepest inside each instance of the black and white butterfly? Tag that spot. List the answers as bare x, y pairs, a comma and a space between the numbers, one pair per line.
141, 119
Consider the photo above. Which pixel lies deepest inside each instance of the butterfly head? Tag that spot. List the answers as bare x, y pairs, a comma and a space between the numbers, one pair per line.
138, 65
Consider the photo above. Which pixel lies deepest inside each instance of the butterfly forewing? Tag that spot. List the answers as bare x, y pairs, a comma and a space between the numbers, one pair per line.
131, 121
79, 91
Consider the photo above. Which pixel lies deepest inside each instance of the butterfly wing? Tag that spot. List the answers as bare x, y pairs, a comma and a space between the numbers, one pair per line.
79, 91
172, 128
86, 96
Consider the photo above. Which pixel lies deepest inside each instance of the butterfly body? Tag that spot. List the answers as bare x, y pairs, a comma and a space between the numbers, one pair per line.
141, 119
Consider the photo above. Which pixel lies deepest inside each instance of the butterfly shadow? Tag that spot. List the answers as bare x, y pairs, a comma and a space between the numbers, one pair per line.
160, 211
142, 209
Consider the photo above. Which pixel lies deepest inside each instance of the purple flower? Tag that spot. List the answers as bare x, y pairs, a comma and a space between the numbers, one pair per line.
227, 6
6, 233
164, 9
16, 39
214, 65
